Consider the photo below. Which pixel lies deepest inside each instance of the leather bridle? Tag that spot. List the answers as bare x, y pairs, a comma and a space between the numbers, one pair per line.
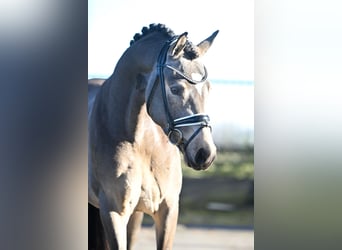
174, 133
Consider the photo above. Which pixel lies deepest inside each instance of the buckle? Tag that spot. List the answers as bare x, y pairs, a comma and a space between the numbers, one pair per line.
175, 136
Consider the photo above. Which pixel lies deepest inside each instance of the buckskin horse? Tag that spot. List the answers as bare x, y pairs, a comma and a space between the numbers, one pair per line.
148, 112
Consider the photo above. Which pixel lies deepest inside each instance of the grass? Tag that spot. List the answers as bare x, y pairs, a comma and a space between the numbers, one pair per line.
239, 217
234, 164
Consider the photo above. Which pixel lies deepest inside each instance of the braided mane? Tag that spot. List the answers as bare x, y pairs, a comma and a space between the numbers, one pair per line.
189, 49
152, 28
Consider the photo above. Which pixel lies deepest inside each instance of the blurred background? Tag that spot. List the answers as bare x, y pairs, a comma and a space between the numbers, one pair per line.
298, 121
222, 196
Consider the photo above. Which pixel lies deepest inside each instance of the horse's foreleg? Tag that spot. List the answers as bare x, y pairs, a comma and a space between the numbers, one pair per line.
166, 223
115, 224
115, 229
133, 227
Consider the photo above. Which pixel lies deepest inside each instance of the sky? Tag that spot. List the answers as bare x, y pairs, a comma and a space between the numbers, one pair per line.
113, 23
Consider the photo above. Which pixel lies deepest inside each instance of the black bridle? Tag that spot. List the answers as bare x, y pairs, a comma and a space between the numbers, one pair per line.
174, 133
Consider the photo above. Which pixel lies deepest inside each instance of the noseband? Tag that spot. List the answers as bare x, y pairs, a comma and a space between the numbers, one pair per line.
174, 133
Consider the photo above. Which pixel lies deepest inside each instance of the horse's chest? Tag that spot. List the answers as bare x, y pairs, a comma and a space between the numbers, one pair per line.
145, 180
157, 187
150, 198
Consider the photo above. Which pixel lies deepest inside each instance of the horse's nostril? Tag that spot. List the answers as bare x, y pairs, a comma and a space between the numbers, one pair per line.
202, 156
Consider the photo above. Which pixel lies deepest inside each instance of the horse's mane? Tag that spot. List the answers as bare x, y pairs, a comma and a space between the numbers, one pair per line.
152, 28
189, 49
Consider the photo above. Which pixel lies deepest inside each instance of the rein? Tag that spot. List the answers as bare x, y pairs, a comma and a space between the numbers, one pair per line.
174, 133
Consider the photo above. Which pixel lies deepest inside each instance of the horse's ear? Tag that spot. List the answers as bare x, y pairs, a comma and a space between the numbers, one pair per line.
177, 49
205, 44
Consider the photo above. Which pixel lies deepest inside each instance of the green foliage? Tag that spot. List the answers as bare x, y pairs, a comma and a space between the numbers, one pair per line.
238, 165
239, 217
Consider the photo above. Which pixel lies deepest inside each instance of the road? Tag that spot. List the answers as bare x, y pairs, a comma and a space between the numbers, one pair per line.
201, 238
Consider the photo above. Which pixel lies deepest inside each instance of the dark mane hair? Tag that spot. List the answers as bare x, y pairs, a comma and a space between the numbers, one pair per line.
189, 49
152, 28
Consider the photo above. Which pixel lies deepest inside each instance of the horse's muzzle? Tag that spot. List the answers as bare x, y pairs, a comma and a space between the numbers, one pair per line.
202, 160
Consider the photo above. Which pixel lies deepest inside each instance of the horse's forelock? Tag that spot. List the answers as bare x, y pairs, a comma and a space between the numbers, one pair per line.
190, 51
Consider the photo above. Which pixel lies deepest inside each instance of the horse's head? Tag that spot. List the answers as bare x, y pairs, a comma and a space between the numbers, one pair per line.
176, 97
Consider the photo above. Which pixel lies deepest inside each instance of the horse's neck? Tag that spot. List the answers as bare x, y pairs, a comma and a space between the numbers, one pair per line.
121, 102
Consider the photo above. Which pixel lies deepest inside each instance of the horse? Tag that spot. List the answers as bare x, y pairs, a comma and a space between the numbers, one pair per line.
140, 120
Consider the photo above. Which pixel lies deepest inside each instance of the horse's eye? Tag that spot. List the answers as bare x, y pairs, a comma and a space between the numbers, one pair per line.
176, 90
